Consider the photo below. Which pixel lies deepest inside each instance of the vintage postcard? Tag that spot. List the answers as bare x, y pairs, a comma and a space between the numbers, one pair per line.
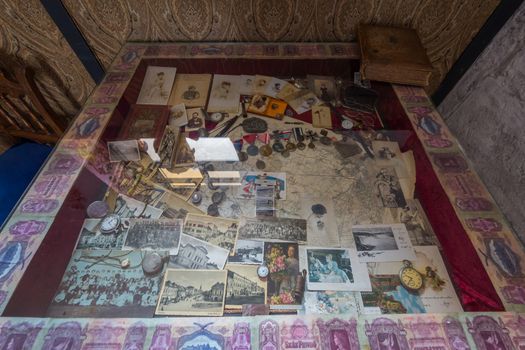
302, 101
217, 231
154, 234
388, 154
247, 252
331, 302
145, 122
320, 216
250, 180
175, 207
273, 229
195, 119
123, 151
178, 116
95, 285
198, 255
323, 87
157, 85
127, 207
333, 269
388, 188
287, 91
321, 117
244, 287
190, 89
91, 238
261, 84
275, 86
265, 205
282, 260
192, 293
416, 223
247, 84
225, 94
437, 294
382, 243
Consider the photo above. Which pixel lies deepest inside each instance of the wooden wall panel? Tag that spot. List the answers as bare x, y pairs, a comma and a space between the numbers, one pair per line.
446, 26
27, 33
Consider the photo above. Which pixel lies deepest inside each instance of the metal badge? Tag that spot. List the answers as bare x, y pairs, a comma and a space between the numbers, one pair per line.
243, 156
213, 210
252, 150
260, 164
266, 150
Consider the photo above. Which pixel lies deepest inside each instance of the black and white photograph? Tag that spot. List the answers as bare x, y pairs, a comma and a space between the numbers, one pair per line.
190, 89
382, 243
225, 94
247, 84
195, 119
198, 255
156, 234
127, 207
248, 253
91, 238
217, 231
124, 151
178, 116
416, 222
321, 220
244, 287
192, 293
388, 189
323, 86
273, 229
333, 269
157, 85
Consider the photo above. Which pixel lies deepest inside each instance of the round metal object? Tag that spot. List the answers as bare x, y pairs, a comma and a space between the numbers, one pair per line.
254, 125
216, 117
109, 224
97, 209
218, 197
278, 147
152, 264
263, 271
285, 153
196, 197
290, 146
213, 210
266, 150
243, 156
347, 124
260, 164
301, 145
252, 150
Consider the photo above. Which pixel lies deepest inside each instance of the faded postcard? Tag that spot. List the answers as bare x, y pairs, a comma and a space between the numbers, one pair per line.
331, 302
333, 269
217, 231
192, 293
190, 89
225, 94
123, 151
178, 116
157, 85
323, 86
247, 84
382, 243
198, 255
320, 220
250, 180
91, 238
273, 229
244, 287
127, 207
247, 253
154, 234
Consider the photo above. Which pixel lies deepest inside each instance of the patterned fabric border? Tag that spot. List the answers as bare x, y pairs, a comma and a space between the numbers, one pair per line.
496, 244
426, 331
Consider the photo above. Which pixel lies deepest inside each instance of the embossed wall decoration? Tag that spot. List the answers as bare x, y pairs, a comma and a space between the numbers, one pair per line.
27, 33
446, 27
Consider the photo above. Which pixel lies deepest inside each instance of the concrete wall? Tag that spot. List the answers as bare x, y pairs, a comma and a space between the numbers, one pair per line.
486, 111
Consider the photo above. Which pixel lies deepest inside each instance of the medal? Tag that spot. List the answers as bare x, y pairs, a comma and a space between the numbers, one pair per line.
252, 150
213, 210
243, 156
266, 150
290, 146
285, 153
260, 164
218, 197
278, 147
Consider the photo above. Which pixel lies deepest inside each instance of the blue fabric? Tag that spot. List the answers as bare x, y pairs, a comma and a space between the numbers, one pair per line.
18, 166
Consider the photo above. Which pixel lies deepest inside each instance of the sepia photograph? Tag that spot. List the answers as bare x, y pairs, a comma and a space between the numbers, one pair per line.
127, 207
190, 89
198, 255
124, 151
247, 252
333, 269
303, 101
157, 85
244, 287
91, 238
195, 119
145, 121
178, 116
246, 85
217, 231
273, 229
388, 189
225, 94
153, 234
323, 87
192, 293
416, 222
381, 243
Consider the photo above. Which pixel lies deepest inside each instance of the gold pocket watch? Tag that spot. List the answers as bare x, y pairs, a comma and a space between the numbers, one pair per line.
410, 278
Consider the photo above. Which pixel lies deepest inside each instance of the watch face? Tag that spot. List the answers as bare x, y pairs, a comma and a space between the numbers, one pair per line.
109, 223
262, 271
411, 278
347, 124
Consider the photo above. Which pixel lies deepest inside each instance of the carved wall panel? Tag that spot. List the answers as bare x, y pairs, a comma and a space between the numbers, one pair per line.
27, 33
446, 27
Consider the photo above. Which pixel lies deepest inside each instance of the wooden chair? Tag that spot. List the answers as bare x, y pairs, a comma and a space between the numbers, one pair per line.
24, 112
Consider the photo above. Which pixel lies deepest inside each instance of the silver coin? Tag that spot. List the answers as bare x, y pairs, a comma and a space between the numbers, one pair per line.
97, 209
152, 264
252, 150
213, 210
196, 197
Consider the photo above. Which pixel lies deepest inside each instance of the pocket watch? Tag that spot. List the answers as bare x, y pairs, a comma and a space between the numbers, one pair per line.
410, 278
263, 271
109, 224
